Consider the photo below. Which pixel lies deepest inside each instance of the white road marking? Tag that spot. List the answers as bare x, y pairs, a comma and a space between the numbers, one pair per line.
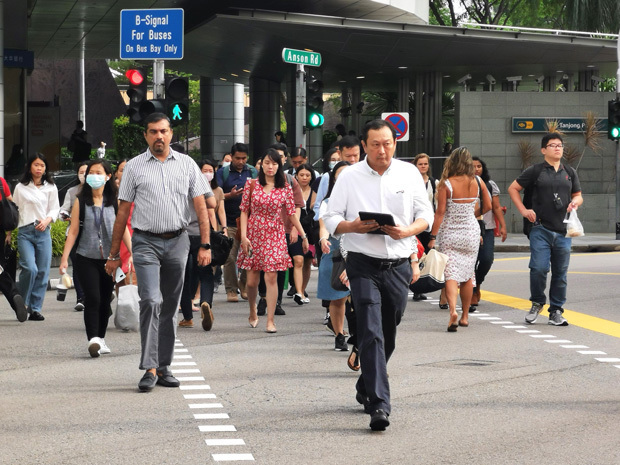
592, 352
527, 331
183, 364
608, 360
211, 416
186, 371
515, 327
191, 378
179, 357
545, 336
575, 346
194, 387
559, 341
198, 396
501, 322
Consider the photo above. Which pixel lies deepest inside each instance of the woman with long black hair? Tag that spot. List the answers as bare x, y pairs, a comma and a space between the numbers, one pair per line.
36, 196
99, 200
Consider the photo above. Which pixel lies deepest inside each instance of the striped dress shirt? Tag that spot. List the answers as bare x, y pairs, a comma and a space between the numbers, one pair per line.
161, 191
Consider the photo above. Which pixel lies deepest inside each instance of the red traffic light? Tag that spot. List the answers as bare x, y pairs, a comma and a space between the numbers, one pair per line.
135, 76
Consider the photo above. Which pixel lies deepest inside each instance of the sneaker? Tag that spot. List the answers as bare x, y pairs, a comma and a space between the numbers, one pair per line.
231, 296
556, 319
261, 308
418, 297
93, 347
36, 316
279, 309
341, 344
299, 300
290, 293
207, 316
79, 306
532, 315
329, 327
216, 288
326, 319
186, 323
104, 347
306, 300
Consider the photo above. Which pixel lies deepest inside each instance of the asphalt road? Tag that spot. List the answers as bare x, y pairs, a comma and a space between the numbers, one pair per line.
489, 394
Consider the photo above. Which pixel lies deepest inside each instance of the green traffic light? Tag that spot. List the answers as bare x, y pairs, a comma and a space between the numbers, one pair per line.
315, 120
615, 132
177, 113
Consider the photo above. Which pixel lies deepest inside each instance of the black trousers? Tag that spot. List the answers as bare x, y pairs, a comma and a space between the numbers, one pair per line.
7, 279
380, 298
98, 287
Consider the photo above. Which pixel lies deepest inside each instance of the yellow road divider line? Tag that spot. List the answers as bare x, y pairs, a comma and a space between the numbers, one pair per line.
599, 325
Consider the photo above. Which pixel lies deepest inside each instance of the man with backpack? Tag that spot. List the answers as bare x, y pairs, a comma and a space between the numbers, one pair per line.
551, 190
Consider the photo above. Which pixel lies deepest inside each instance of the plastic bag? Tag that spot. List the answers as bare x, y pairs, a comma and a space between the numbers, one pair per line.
573, 225
127, 316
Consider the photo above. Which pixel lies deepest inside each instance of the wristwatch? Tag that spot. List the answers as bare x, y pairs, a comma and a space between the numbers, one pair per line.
205, 246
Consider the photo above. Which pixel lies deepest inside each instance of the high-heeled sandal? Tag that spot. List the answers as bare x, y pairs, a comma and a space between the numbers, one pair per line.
443, 306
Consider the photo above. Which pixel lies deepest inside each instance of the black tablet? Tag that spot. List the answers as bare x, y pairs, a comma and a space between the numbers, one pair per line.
382, 218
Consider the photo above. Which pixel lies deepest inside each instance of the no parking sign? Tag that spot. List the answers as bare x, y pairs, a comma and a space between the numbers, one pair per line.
400, 121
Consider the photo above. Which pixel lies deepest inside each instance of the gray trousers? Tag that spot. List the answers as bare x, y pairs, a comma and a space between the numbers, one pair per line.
160, 269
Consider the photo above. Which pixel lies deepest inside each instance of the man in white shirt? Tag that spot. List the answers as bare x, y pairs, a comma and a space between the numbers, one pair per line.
379, 266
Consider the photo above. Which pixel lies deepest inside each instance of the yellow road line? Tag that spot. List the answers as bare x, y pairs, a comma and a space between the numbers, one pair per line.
527, 257
610, 328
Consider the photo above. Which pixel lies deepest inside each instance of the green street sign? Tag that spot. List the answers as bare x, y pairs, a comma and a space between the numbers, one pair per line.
301, 57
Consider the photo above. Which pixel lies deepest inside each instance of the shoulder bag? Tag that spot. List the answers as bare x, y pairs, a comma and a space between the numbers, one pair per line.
10, 213
238, 220
432, 278
338, 266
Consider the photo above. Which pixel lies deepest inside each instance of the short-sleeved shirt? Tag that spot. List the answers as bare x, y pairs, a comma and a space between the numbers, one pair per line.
562, 182
235, 179
5, 186
161, 191
489, 219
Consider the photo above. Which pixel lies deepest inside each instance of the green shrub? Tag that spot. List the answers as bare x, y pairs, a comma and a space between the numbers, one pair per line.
128, 138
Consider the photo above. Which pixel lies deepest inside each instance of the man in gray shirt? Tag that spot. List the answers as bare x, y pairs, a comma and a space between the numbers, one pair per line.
160, 183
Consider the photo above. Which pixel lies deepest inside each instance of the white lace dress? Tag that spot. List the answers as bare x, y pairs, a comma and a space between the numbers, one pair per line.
459, 238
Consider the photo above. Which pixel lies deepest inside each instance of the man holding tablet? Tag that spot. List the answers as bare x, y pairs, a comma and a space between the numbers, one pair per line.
379, 267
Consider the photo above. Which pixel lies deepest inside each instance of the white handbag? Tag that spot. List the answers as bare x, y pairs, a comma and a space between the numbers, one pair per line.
432, 266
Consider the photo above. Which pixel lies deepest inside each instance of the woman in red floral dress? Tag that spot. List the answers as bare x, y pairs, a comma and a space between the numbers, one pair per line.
263, 239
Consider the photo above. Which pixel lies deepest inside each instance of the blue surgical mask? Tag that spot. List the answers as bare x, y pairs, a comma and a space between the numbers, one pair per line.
96, 180
332, 164
225, 163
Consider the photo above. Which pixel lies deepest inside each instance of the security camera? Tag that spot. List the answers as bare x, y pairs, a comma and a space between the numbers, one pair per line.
540, 79
491, 79
467, 77
597, 79
514, 78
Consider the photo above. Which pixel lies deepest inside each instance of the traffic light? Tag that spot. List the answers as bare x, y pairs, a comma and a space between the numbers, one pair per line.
177, 99
613, 119
136, 93
314, 101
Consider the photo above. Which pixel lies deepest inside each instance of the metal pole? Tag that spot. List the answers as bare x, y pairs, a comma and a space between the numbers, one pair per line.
82, 91
618, 149
158, 79
300, 106
2, 88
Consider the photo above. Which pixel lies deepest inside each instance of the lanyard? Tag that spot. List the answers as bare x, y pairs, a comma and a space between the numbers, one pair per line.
98, 226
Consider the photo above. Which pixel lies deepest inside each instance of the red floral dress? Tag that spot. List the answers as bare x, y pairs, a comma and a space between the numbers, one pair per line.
265, 228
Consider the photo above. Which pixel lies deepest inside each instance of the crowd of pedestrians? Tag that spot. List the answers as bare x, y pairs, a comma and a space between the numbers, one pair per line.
154, 216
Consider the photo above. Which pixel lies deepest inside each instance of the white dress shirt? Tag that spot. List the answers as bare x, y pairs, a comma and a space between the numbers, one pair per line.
400, 191
36, 203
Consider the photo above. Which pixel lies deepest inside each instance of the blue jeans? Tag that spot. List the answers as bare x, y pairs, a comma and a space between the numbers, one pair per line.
548, 250
35, 259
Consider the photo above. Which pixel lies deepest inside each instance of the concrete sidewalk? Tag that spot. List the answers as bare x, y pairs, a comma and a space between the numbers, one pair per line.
598, 242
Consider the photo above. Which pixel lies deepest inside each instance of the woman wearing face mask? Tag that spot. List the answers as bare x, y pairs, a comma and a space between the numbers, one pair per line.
226, 159
37, 199
65, 214
98, 197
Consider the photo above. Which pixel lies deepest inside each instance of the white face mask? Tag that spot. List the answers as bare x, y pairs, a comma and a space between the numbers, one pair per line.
208, 176
332, 164
81, 177
225, 163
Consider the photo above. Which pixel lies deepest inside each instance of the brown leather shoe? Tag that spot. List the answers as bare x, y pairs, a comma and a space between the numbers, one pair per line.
186, 323
231, 296
207, 316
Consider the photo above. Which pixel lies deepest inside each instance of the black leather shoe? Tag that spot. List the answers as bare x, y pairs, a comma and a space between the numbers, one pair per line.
167, 380
280, 310
148, 382
379, 420
36, 316
261, 307
363, 400
20, 308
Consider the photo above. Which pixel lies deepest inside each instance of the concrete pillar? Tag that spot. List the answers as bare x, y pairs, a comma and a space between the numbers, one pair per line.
221, 115
264, 114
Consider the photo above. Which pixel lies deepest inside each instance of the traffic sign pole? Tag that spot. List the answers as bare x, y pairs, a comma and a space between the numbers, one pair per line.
300, 107
158, 79
618, 148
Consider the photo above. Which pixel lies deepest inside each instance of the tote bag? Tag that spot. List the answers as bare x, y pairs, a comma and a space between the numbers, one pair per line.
432, 278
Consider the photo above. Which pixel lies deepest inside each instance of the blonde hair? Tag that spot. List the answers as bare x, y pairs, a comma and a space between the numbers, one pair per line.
459, 163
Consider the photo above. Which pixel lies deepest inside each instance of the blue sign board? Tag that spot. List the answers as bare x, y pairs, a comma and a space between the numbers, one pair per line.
18, 58
152, 34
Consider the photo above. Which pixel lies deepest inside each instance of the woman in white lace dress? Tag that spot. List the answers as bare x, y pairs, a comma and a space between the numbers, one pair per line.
457, 231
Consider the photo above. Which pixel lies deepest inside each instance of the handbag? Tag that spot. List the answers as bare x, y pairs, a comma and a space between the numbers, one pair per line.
238, 220
127, 316
310, 226
338, 266
220, 248
432, 278
10, 213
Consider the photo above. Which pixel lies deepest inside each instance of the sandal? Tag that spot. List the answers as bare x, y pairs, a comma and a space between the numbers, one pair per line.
443, 306
353, 362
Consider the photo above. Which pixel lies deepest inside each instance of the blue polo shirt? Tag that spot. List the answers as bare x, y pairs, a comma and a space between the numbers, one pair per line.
235, 179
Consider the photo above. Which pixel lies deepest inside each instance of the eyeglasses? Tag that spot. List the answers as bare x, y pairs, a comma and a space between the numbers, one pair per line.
555, 146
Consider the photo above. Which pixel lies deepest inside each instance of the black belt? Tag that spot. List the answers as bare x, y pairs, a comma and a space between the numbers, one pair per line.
380, 263
166, 235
